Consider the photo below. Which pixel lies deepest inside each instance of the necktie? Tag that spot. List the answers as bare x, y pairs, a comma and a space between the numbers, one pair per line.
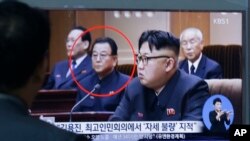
73, 65
192, 69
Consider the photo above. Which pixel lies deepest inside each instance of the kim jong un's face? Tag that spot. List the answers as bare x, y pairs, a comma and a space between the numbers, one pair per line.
153, 65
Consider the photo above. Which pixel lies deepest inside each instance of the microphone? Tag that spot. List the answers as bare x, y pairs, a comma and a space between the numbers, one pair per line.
96, 87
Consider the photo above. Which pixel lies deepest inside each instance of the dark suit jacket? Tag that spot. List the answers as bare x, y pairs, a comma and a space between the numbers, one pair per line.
218, 126
58, 79
207, 68
181, 99
17, 125
110, 83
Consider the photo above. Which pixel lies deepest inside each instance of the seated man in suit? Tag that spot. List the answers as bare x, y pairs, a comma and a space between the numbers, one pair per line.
24, 42
161, 91
104, 60
60, 77
197, 63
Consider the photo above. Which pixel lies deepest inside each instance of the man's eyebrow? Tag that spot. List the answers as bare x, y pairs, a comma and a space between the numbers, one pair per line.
100, 52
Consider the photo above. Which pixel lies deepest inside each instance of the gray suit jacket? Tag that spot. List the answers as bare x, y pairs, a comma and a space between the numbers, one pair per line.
17, 125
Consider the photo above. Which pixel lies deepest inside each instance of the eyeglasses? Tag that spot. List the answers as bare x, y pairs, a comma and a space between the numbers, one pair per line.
102, 56
145, 59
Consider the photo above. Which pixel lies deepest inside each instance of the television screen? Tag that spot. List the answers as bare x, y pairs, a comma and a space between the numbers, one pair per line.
222, 41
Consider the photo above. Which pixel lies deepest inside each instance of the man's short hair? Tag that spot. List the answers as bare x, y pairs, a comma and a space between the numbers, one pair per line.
86, 36
24, 42
108, 40
160, 39
216, 100
197, 31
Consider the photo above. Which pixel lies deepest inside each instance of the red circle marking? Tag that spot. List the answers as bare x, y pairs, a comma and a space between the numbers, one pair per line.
131, 46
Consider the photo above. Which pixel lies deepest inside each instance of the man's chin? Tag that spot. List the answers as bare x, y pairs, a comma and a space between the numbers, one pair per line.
70, 55
99, 70
190, 57
143, 81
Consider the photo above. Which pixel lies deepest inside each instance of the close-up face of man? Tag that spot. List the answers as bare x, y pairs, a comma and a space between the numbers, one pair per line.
191, 44
80, 47
152, 66
102, 59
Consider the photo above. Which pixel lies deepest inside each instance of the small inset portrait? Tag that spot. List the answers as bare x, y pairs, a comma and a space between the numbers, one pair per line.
218, 114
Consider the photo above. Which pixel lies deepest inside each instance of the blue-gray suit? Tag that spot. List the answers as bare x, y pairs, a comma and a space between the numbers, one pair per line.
207, 68
58, 79
182, 98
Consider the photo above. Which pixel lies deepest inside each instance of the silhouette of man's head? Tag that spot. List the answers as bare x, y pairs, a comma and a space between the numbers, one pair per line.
24, 42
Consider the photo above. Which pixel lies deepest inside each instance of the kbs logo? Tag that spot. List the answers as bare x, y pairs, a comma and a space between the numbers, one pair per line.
221, 21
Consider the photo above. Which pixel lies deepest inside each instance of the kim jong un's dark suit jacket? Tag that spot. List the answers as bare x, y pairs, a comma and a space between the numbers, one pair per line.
182, 98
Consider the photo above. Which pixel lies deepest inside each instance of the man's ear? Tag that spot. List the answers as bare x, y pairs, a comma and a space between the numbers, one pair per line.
115, 60
85, 45
201, 45
170, 64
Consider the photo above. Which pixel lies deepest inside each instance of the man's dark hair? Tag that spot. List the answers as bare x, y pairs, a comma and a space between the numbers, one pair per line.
216, 100
160, 39
86, 36
24, 42
108, 40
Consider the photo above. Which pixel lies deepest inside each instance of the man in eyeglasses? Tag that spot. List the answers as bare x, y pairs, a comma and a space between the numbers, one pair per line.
60, 77
104, 60
161, 91
196, 63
